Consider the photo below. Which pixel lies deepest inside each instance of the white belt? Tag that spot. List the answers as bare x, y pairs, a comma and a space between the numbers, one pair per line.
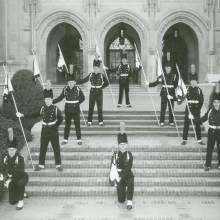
168, 86
123, 74
193, 101
214, 127
119, 170
50, 123
96, 87
72, 102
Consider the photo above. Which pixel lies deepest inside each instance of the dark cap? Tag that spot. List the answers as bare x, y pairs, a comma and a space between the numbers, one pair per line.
216, 97
168, 64
122, 138
48, 93
97, 63
123, 56
71, 77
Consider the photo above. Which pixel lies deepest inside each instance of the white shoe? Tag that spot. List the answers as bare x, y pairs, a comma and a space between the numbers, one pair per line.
79, 142
101, 123
20, 205
65, 141
129, 204
89, 123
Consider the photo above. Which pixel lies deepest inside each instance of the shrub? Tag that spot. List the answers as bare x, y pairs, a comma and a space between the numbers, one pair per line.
28, 97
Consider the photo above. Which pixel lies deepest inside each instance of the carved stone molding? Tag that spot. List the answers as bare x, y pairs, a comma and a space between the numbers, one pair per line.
151, 6
31, 5
211, 5
92, 6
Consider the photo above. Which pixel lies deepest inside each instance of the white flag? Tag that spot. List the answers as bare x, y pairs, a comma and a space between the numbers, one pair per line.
36, 69
159, 67
61, 62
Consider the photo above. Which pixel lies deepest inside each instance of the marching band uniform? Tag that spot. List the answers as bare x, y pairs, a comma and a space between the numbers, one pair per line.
73, 98
213, 118
12, 171
98, 82
171, 81
125, 187
195, 101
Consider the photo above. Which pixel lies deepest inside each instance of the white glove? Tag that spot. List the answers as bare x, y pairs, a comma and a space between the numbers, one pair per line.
169, 97
19, 114
147, 83
1, 177
190, 116
6, 184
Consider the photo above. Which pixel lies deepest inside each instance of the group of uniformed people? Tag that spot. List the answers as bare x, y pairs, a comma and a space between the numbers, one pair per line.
12, 166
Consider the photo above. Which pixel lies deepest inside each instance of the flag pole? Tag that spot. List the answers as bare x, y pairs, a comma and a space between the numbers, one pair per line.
16, 109
168, 94
110, 87
193, 126
145, 78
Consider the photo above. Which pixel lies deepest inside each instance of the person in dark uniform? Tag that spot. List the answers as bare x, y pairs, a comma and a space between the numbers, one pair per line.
215, 94
125, 187
12, 172
213, 118
52, 118
73, 98
195, 101
98, 82
171, 81
193, 73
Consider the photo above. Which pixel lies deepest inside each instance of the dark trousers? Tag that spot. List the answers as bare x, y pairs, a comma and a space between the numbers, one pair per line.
124, 193
96, 96
17, 188
75, 115
213, 137
164, 102
187, 121
49, 134
123, 86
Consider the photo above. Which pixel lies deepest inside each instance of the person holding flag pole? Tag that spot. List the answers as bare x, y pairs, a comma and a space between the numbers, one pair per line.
169, 82
10, 92
98, 57
194, 101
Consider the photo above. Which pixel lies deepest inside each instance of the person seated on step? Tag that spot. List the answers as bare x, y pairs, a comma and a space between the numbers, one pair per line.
213, 118
125, 186
195, 101
167, 92
73, 98
52, 118
98, 82
12, 172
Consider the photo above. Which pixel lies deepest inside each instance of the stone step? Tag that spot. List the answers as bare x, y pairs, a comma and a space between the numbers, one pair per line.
155, 164
73, 191
94, 156
109, 147
139, 181
103, 172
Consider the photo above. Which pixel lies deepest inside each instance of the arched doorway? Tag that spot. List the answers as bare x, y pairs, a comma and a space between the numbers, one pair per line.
113, 50
71, 46
181, 41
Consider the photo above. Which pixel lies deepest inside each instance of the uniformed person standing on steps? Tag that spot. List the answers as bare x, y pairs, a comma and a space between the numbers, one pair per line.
98, 82
12, 172
125, 187
52, 118
170, 85
195, 101
213, 118
74, 97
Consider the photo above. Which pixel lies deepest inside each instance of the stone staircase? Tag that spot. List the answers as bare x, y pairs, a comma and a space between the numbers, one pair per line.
160, 168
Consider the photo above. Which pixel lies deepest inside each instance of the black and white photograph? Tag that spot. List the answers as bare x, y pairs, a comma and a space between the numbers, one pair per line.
109, 109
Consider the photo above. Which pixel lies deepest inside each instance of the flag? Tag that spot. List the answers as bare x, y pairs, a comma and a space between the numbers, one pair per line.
181, 89
7, 88
36, 70
159, 69
61, 62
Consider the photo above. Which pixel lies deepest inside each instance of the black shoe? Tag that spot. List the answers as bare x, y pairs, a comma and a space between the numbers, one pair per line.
60, 169
183, 142
119, 106
129, 106
206, 168
79, 142
129, 207
37, 168
201, 143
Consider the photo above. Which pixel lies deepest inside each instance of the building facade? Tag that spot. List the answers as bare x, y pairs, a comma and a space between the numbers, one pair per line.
79, 25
